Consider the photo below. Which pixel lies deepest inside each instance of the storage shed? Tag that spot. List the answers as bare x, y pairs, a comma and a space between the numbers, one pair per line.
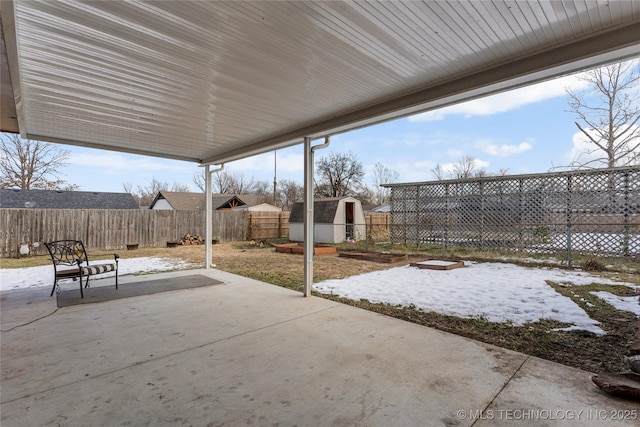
335, 220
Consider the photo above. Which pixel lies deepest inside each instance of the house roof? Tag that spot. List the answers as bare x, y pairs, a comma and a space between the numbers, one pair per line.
181, 201
183, 79
186, 201
52, 199
258, 207
324, 210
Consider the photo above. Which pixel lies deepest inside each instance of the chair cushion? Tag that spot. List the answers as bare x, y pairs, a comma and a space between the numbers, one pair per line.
97, 269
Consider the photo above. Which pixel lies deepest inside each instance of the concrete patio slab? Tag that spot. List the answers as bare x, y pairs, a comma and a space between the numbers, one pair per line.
249, 353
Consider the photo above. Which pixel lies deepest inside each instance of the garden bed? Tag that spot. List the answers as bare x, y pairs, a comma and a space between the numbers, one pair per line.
438, 264
386, 258
298, 248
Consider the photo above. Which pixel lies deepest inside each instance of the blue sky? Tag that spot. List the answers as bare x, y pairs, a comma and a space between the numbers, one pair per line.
525, 131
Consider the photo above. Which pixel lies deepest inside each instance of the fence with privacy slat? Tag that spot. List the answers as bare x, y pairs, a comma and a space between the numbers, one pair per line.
268, 225
115, 229
107, 229
588, 212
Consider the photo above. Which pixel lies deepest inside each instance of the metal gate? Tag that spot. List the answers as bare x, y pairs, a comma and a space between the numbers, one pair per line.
590, 212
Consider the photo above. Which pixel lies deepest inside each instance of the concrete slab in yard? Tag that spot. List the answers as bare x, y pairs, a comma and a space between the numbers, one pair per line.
245, 352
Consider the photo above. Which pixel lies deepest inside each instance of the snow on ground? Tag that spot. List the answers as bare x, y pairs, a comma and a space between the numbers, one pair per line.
33, 277
621, 303
497, 292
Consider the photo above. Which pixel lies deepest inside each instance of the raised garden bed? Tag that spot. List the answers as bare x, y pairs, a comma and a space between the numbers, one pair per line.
438, 264
298, 248
385, 258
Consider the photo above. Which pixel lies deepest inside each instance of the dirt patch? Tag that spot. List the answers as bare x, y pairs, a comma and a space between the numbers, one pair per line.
385, 258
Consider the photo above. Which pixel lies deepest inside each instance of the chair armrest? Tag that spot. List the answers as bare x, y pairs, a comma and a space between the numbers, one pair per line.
116, 257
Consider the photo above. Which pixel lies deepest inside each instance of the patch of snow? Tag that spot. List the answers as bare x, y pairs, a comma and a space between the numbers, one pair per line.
33, 277
436, 262
497, 292
631, 304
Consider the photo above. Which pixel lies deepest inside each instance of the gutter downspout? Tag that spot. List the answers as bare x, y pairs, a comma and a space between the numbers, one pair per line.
208, 203
308, 211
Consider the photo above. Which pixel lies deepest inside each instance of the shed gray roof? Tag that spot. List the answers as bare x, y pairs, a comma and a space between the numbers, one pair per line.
324, 210
53, 199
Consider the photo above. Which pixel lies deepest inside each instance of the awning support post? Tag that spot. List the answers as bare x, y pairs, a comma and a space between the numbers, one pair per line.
208, 205
308, 212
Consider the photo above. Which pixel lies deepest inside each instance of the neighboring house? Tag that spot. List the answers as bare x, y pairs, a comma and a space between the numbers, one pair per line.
335, 220
55, 199
179, 201
262, 207
382, 208
183, 201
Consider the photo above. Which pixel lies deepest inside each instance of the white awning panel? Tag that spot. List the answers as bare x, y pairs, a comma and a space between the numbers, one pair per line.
215, 81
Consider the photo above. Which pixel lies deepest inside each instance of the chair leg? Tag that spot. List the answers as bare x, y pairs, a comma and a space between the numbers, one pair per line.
81, 292
55, 282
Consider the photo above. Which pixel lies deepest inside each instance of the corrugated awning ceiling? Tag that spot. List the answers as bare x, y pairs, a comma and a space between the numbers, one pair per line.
215, 81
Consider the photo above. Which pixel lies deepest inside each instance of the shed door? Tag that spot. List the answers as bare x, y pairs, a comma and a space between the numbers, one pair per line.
348, 213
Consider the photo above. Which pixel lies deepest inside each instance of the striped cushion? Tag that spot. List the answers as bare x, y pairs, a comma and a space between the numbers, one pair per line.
97, 269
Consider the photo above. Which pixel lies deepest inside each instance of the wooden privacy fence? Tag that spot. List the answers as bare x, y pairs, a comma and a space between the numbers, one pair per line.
106, 229
271, 225
268, 225
110, 229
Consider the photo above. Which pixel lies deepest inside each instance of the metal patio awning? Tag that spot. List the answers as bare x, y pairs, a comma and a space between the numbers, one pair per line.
214, 81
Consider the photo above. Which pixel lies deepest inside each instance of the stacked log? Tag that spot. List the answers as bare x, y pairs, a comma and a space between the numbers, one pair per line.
190, 239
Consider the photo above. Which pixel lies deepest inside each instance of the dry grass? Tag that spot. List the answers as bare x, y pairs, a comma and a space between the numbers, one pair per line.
578, 349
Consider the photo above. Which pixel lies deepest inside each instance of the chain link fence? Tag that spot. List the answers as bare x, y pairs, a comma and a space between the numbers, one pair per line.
588, 212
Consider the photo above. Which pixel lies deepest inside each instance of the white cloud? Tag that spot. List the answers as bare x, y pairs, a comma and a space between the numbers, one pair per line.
121, 162
503, 150
417, 171
479, 164
455, 152
505, 101
289, 164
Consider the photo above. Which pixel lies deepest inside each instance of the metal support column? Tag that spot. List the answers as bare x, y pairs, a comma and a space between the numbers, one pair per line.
208, 234
208, 206
308, 212
308, 217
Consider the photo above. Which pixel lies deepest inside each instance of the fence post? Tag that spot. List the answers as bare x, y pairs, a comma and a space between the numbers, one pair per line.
447, 219
625, 216
482, 214
366, 233
569, 191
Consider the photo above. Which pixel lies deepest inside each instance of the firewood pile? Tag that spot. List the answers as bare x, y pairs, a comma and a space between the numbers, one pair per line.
190, 239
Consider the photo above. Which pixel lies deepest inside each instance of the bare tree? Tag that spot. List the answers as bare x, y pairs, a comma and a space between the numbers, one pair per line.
127, 187
144, 195
438, 172
226, 182
339, 175
199, 179
383, 175
32, 165
465, 168
289, 192
608, 115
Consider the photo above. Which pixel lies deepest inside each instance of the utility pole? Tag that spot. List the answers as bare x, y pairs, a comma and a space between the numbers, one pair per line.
275, 169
